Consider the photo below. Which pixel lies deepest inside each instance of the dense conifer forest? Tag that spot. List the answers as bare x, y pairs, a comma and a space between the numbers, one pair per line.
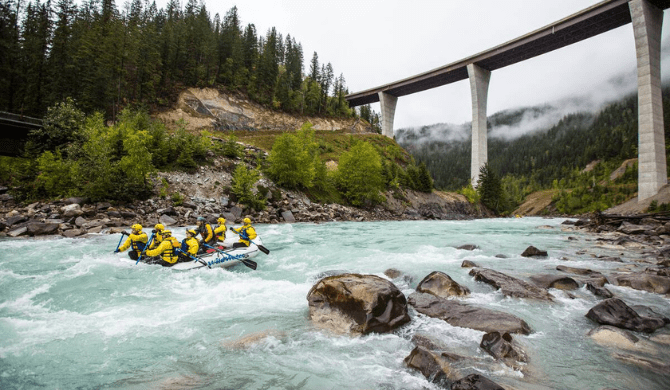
107, 58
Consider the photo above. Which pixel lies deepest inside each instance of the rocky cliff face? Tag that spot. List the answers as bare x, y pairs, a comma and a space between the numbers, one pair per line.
210, 109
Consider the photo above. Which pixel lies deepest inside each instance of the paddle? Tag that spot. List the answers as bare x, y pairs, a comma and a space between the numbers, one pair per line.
249, 263
193, 258
244, 236
151, 238
123, 233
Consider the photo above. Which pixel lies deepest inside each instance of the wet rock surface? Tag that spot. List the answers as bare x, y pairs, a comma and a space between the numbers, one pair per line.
354, 303
467, 316
615, 312
441, 285
510, 286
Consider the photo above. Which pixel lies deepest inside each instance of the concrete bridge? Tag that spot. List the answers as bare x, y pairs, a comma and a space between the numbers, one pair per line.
647, 19
14, 131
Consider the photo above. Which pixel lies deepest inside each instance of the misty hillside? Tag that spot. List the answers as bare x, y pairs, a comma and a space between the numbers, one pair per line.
541, 143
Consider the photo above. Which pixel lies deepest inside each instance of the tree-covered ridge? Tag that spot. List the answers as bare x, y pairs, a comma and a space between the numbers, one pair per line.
107, 59
538, 158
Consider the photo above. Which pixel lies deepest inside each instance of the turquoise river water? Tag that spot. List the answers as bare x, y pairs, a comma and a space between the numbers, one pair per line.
73, 315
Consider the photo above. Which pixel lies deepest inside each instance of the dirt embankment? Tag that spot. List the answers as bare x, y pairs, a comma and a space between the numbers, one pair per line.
207, 109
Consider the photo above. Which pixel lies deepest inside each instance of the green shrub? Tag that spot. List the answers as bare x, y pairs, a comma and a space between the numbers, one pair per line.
359, 175
177, 199
293, 160
242, 184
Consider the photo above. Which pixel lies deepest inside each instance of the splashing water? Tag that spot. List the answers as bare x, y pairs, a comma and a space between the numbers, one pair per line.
75, 315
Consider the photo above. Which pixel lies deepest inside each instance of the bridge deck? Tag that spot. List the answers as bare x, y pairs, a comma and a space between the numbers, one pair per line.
599, 18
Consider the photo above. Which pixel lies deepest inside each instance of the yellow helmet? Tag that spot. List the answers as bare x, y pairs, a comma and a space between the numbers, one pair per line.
137, 227
191, 232
167, 233
221, 221
246, 220
159, 226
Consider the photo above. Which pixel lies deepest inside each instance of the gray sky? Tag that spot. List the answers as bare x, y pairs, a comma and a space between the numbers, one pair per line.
374, 42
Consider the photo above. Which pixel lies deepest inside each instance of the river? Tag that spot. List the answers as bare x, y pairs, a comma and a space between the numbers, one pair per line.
75, 315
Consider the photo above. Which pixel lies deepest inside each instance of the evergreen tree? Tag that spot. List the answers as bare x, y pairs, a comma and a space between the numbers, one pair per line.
490, 190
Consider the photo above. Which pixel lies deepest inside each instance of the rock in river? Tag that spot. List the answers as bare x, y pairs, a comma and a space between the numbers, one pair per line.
354, 303
510, 286
467, 316
441, 285
615, 312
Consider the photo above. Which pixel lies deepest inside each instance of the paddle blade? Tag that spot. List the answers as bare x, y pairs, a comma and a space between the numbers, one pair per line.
263, 249
250, 263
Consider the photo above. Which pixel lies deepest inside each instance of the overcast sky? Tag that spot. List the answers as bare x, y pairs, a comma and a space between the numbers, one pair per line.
375, 42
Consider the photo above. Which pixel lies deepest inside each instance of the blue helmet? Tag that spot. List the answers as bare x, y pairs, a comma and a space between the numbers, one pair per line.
201, 218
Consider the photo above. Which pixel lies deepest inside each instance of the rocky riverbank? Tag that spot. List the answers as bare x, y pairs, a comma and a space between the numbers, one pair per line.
203, 194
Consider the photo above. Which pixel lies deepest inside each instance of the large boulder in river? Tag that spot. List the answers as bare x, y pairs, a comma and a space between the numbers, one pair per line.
467, 316
645, 282
510, 286
441, 285
615, 312
354, 303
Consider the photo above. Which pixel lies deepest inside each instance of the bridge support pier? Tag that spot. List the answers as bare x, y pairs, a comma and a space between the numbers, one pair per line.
479, 86
388, 103
647, 23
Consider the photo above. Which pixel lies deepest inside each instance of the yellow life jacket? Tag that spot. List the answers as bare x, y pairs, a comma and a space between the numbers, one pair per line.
169, 253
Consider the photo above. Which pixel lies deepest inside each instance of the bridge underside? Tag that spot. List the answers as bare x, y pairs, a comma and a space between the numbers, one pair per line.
588, 23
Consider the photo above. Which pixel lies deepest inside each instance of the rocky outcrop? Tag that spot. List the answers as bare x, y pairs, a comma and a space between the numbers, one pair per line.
354, 303
510, 286
435, 366
467, 316
441, 285
615, 312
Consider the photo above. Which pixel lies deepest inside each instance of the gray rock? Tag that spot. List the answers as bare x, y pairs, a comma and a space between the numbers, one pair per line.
555, 281
354, 303
96, 229
615, 312
433, 365
236, 211
128, 214
40, 228
72, 210
468, 247
103, 206
475, 382
578, 271
468, 264
73, 233
599, 291
167, 220
467, 316
288, 216
502, 347
645, 282
80, 221
18, 232
75, 200
531, 251
113, 214
510, 286
629, 228
5, 197
441, 285
16, 220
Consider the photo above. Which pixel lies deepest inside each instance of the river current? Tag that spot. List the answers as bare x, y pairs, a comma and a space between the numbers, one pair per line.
74, 315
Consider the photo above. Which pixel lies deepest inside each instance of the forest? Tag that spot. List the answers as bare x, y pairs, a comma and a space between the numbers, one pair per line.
552, 157
107, 59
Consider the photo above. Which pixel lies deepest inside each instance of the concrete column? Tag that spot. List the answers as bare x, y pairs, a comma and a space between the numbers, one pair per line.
647, 23
388, 103
479, 86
